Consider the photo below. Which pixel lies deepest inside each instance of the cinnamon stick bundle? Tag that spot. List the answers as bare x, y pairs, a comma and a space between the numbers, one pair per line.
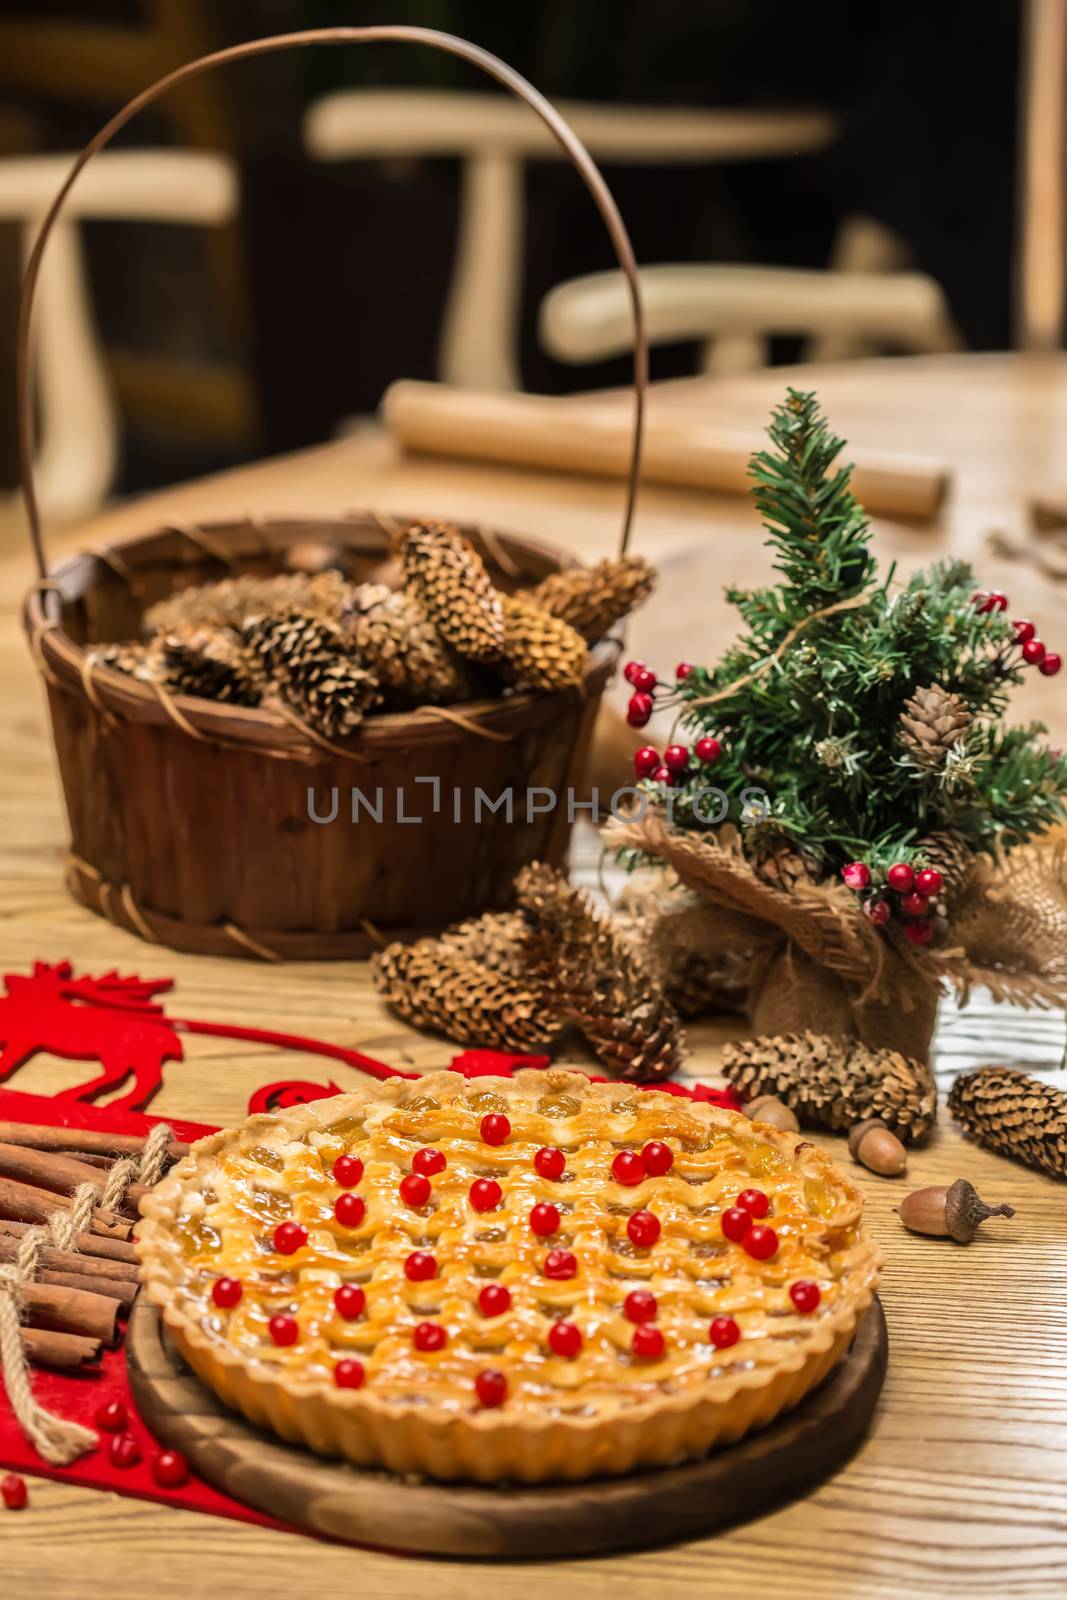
88, 1243
26, 1203
53, 1170
67, 1276
64, 1310
89, 1140
48, 1348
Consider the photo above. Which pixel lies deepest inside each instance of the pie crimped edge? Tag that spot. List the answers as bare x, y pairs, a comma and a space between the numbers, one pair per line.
521, 1442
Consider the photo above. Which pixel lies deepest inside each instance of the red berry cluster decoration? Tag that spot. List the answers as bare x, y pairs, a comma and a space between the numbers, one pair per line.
913, 888
674, 763
740, 1225
1033, 652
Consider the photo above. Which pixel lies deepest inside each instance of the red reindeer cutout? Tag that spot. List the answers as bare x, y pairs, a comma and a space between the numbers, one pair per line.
113, 1020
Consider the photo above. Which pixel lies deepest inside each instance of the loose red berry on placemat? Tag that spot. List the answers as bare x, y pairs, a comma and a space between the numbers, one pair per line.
349, 1301
878, 912
113, 1417
544, 1220
429, 1162
491, 1387
1033, 652
123, 1451
429, 1336
648, 1343
918, 932
347, 1171
226, 1292
929, 882
414, 1190
560, 1264
628, 1168
170, 1469
350, 1209
735, 1223
723, 1332
640, 1306
915, 904
495, 1128
646, 760
638, 710
283, 1329
13, 1491
805, 1296
708, 749
289, 1237
485, 1194
550, 1163
1024, 629
1050, 665
494, 1300
754, 1201
565, 1339
900, 877
676, 757
348, 1374
419, 1266
643, 1229
857, 875
658, 1158
760, 1242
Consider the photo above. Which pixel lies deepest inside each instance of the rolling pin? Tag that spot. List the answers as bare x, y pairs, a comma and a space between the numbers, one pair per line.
578, 435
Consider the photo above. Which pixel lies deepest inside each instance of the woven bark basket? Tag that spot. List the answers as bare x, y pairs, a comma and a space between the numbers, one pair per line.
192, 823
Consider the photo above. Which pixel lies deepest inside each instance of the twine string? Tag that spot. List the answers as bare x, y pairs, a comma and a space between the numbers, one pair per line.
779, 650
56, 1439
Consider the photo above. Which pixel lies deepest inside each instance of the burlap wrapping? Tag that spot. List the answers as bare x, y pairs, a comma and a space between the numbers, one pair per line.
811, 959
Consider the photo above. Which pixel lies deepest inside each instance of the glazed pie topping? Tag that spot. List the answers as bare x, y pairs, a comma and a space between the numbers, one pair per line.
581, 1252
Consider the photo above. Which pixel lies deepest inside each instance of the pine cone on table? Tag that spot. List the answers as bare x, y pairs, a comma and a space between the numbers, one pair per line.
1014, 1114
933, 720
596, 978
211, 664
541, 651
594, 599
497, 940
396, 642
435, 987
447, 577
307, 665
835, 1082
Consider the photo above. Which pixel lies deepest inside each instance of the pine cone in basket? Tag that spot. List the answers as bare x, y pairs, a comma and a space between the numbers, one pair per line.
447, 577
306, 664
835, 1082
443, 989
1014, 1114
542, 651
211, 664
137, 660
594, 599
933, 720
396, 642
232, 601
596, 978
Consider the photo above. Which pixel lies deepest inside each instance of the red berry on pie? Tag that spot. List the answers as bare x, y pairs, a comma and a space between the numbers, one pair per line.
550, 1163
170, 1469
419, 1266
289, 1237
708, 750
123, 1451
754, 1201
13, 1492
735, 1223
349, 1301
544, 1220
1050, 664
805, 1296
648, 1343
414, 1190
1033, 652
929, 882
658, 1158
495, 1128
428, 1162
565, 1339
628, 1168
349, 1374
485, 1194
429, 1336
560, 1264
900, 877
112, 1417
723, 1332
760, 1242
643, 1229
491, 1387
349, 1209
646, 760
347, 1171
640, 1306
494, 1300
283, 1329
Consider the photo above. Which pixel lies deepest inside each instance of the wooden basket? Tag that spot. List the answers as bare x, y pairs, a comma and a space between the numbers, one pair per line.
191, 821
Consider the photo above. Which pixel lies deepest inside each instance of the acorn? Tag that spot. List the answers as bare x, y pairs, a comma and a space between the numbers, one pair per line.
768, 1108
873, 1145
956, 1212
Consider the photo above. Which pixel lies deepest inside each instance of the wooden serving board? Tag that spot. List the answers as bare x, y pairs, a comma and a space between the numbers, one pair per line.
344, 1502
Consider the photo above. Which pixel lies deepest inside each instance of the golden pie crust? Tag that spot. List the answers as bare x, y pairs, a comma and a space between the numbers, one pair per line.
604, 1410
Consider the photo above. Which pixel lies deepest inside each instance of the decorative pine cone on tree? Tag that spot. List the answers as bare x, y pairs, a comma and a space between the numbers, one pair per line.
446, 575
931, 723
307, 666
1014, 1114
593, 599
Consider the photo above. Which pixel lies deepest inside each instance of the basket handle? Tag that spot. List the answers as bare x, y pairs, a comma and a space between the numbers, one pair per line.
489, 64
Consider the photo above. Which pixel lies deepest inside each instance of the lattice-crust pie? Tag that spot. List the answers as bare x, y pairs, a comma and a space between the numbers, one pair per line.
526, 1279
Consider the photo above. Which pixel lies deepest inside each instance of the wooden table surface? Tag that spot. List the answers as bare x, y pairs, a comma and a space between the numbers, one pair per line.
960, 1488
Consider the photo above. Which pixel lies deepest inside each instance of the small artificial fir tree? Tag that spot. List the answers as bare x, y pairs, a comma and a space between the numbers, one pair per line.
871, 715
